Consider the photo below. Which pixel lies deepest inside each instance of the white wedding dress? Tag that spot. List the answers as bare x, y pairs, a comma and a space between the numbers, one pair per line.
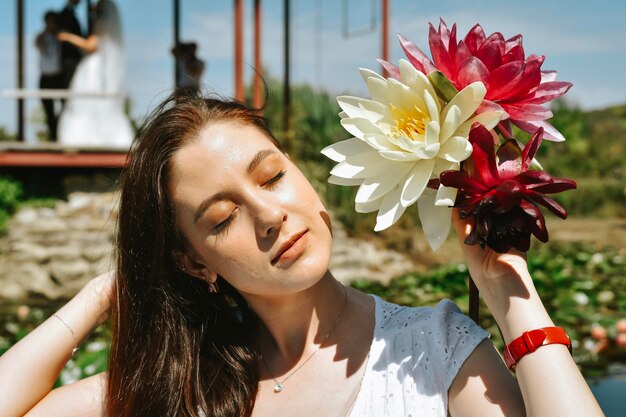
99, 122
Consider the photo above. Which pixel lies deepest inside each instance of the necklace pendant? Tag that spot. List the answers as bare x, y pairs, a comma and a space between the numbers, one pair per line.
278, 387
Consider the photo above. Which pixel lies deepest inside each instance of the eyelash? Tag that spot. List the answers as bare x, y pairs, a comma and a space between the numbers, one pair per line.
270, 185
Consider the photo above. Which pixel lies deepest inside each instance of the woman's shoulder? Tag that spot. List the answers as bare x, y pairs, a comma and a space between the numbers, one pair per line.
444, 314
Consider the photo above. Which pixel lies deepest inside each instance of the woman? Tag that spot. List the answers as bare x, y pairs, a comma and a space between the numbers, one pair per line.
224, 305
100, 120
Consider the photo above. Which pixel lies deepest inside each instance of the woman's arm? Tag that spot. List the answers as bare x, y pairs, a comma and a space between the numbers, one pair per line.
82, 398
549, 380
88, 45
28, 370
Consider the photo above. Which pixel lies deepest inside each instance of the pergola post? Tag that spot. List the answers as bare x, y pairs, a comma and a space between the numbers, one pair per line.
257, 93
239, 93
20, 68
286, 81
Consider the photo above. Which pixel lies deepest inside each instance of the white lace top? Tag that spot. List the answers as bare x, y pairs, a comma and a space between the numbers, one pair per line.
414, 357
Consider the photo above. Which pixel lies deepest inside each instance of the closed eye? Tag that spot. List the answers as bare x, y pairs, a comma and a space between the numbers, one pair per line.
220, 227
273, 182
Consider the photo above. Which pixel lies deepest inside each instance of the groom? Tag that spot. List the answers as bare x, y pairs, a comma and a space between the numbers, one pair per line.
70, 54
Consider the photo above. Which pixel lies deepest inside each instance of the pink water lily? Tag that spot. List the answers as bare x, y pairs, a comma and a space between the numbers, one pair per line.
501, 195
514, 81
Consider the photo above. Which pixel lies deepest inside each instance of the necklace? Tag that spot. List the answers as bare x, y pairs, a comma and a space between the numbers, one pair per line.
280, 385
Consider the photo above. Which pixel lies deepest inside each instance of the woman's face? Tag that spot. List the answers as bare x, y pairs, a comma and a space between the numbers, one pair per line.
248, 213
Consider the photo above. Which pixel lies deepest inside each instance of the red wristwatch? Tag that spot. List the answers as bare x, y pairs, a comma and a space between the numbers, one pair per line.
529, 342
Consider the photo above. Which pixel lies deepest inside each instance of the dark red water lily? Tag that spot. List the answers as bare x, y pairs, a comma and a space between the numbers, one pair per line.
514, 81
501, 195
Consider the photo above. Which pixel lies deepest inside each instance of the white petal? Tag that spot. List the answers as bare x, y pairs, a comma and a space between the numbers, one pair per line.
488, 119
416, 182
379, 142
402, 96
359, 127
378, 89
368, 73
467, 101
432, 104
375, 187
443, 165
419, 149
344, 181
368, 207
362, 165
353, 108
455, 149
399, 156
435, 220
390, 210
414, 78
432, 133
451, 122
375, 107
445, 196
340, 150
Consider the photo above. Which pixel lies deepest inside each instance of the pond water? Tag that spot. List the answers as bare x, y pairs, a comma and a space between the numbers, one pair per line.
611, 394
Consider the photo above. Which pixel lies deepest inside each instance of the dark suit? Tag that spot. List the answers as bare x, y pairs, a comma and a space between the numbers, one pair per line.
70, 54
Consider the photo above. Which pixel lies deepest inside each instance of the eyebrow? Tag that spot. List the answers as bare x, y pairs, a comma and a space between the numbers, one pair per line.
204, 206
258, 158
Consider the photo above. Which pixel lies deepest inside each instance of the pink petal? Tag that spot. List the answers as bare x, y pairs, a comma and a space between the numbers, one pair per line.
483, 155
547, 76
505, 128
526, 112
491, 51
460, 180
556, 186
415, 55
393, 70
475, 38
441, 57
471, 70
548, 202
531, 77
531, 149
505, 80
548, 91
488, 105
531, 126
539, 222
444, 32
514, 49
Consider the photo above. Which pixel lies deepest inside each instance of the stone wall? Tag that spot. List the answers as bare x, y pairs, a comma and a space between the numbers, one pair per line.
50, 253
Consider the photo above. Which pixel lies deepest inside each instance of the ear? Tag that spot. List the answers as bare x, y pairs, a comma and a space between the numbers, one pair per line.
192, 265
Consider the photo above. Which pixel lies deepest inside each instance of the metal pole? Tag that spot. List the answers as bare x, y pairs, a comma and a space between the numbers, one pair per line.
176, 39
239, 92
257, 96
385, 34
20, 68
286, 82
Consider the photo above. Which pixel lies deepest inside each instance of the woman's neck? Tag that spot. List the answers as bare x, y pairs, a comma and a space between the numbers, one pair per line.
293, 326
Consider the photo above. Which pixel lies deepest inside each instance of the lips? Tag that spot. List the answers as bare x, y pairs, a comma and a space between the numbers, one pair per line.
288, 249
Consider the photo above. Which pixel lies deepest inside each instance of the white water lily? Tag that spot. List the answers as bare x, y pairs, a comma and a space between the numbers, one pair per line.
404, 136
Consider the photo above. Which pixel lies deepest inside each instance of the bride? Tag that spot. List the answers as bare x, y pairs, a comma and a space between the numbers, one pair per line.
97, 121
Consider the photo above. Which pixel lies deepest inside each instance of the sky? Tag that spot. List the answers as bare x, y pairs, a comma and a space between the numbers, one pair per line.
584, 41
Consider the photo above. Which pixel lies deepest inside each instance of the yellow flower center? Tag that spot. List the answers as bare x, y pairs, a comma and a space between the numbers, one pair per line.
410, 122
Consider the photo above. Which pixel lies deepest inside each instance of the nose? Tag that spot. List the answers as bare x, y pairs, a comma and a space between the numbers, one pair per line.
269, 216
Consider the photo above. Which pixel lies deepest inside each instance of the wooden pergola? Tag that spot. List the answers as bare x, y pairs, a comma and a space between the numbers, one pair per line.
13, 154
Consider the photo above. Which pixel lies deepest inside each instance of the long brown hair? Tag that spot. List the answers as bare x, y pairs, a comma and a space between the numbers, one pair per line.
177, 349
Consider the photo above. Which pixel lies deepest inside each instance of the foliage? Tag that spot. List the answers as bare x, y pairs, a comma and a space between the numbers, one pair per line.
580, 286
10, 194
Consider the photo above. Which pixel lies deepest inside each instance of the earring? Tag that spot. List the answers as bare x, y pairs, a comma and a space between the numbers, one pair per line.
213, 287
